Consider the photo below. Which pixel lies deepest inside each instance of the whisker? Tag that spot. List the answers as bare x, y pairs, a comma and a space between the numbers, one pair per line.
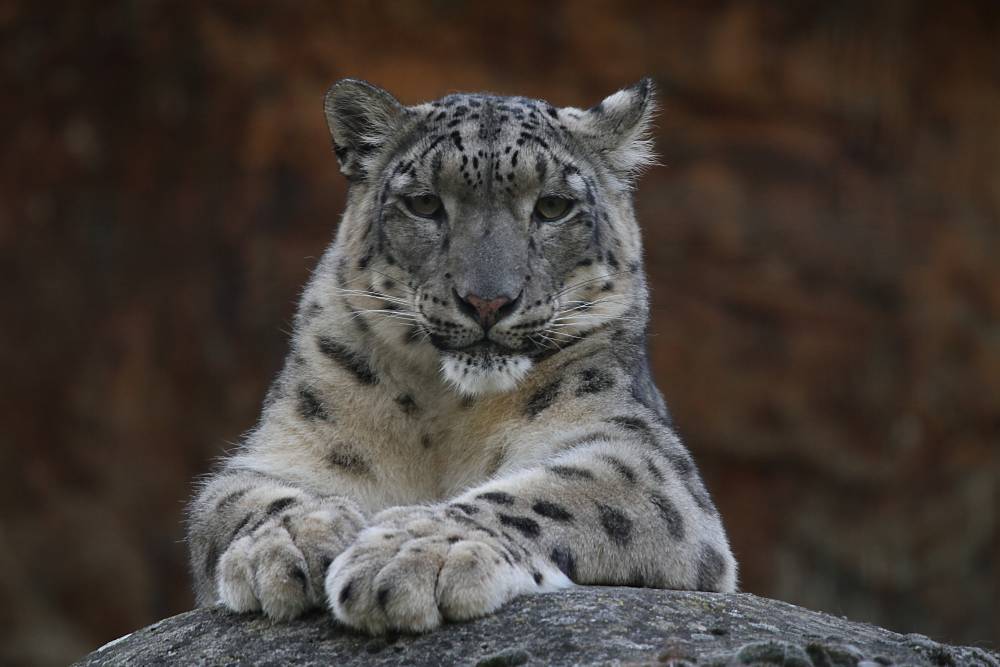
393, 317
580, 311
355, 279
353, 290
569, 315
584, 319
603, 299
563, 333
611, 297
373, 295
385, 313
584, 282
590, 304
383, 318
545, 341
397, 281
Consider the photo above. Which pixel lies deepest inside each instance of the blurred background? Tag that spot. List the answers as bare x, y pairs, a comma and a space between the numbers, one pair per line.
822, 242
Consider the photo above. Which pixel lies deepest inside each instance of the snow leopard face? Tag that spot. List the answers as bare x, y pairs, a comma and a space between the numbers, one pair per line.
496, 230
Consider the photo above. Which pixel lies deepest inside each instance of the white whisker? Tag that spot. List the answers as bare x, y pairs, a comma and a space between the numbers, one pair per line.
590, 318
545, 341
589, 304
585, 282
373, 295
387, 314
562, 333
399, 283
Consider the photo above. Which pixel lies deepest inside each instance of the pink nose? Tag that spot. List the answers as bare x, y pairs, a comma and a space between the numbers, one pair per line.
486, 309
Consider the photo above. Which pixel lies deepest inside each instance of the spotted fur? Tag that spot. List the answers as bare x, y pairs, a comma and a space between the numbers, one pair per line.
466, 413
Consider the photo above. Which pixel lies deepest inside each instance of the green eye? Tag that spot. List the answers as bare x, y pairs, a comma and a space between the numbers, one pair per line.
552, 208
425, 206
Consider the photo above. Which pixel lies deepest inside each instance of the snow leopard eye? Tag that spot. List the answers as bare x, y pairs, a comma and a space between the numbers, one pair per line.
424, 206
551, 208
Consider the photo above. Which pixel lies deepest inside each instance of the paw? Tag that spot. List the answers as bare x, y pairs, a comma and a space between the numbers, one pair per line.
417, 567
279, 566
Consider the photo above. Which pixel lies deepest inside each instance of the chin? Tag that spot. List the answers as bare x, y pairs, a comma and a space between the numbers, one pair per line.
483, 371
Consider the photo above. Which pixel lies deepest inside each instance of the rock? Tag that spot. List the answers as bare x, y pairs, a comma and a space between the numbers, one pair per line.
582, 626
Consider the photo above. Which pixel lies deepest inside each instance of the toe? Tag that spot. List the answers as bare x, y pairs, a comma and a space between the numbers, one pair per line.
349, 592
235, 578
475, 580
280, 575
405, 587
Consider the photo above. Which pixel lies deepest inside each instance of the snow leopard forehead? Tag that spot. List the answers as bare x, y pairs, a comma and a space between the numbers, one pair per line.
368, 125
490, 157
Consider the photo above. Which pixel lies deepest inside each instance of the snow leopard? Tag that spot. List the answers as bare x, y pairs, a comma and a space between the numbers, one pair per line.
466, 413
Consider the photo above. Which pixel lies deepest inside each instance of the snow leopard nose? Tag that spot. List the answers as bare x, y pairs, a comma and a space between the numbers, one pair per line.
486, 311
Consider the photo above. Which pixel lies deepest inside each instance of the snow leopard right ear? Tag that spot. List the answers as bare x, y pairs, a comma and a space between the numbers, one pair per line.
362, 118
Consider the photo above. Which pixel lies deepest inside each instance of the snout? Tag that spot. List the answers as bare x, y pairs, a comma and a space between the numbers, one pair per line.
487, 311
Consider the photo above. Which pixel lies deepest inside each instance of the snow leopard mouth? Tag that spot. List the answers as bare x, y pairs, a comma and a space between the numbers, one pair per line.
487, 351
483, 348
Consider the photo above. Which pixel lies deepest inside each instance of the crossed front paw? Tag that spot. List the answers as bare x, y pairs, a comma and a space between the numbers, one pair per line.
278, 565
416, 567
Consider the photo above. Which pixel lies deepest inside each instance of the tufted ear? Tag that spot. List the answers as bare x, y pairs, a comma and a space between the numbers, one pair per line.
362, 118
619, 128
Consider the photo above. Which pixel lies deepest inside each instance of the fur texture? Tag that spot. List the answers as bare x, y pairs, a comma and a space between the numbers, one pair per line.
466, 413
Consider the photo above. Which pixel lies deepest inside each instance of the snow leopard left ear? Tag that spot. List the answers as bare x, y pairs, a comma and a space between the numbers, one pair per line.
362, 118
619, 128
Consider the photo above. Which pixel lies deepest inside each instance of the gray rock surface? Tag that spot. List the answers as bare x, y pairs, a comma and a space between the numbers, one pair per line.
582, 626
